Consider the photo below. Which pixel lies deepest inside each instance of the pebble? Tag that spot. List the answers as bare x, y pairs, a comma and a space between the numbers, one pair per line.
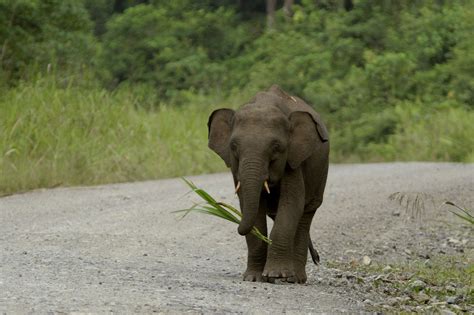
453, 241
425, 256
422, 297
450, 288
417, 285
456, 307
452, 299
393, 301
378, 251
387, 269
366, 260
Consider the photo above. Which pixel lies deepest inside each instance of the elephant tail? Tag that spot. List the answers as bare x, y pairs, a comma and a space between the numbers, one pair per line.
313, 252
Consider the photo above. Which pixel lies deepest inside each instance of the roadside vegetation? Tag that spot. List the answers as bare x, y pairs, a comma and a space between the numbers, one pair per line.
107, 91
75, 136
422, 285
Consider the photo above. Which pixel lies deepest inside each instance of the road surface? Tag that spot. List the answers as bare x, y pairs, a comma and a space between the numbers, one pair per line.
118, 248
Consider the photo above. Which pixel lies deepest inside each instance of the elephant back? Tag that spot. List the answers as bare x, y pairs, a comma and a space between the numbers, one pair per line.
292, 104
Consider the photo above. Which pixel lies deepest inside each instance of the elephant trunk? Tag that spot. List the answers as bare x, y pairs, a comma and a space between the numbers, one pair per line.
251, 187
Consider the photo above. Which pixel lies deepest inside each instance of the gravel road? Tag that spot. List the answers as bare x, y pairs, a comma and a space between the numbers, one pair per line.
118, 248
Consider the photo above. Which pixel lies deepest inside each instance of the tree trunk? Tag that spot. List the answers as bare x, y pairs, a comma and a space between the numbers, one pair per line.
271, 6
348, 5
287, 9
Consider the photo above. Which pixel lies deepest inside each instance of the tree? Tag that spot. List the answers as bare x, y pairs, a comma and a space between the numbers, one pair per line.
271, 6
287, 8
35, 33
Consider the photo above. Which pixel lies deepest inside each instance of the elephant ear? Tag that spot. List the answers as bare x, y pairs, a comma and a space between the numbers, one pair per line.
220, 126
306, 130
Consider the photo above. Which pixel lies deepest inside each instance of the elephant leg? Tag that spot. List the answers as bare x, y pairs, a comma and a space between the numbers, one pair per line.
301, 245
290, 209
257, 249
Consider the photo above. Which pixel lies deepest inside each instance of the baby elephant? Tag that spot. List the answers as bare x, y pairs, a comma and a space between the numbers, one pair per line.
277, 148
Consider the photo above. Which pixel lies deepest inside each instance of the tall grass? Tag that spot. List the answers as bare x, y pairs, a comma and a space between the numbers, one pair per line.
53, 136
445, 134
66, 134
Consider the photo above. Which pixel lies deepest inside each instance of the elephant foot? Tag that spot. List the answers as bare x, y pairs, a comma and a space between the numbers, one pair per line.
282, 273
254, 276
296, 278
300, 277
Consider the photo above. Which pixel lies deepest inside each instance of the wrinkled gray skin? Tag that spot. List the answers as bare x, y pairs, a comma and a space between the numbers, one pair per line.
280, 139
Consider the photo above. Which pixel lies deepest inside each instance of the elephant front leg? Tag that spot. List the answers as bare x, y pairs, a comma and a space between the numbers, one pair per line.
257, 249
301, 244
280, 260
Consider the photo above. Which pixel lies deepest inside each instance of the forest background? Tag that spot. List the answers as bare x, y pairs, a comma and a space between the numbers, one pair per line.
98, 91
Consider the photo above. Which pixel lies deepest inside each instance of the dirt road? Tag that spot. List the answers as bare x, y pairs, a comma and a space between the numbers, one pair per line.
119, 248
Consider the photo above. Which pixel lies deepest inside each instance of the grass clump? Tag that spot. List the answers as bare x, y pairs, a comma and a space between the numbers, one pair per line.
218, 209
443, 282
52, 136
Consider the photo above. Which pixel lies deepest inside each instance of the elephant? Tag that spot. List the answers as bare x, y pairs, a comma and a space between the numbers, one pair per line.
277, 148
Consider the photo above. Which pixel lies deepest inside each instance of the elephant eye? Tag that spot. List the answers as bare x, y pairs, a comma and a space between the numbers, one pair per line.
276, 146
233, 146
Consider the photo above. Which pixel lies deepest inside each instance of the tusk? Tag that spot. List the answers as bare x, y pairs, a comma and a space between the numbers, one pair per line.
293, 99
266, 187
237, 187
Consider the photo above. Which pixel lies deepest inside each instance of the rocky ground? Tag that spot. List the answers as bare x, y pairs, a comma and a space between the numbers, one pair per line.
118, 248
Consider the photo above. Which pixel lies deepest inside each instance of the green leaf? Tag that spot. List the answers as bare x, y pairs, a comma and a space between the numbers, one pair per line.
218, 209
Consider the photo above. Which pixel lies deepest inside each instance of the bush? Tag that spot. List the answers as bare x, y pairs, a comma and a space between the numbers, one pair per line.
437, 135
43, 35
172, 48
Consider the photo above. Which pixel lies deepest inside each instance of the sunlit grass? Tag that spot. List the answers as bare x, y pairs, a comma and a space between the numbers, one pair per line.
71, 136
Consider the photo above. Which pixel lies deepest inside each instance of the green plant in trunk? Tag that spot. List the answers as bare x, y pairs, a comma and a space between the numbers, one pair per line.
218, 209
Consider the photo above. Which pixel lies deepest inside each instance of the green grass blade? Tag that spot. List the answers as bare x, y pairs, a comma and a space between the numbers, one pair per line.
218, 209
460, 208
222, 213
227, 206
466, 218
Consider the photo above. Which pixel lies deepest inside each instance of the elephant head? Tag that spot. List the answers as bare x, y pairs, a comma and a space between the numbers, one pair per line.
259, 142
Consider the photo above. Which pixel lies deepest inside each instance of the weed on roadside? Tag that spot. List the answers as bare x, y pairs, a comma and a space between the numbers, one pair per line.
441, 283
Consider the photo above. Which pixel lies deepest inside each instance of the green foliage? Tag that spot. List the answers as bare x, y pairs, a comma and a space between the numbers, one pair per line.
218, 209
35, 34
393, 80
172, 47
445, 134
